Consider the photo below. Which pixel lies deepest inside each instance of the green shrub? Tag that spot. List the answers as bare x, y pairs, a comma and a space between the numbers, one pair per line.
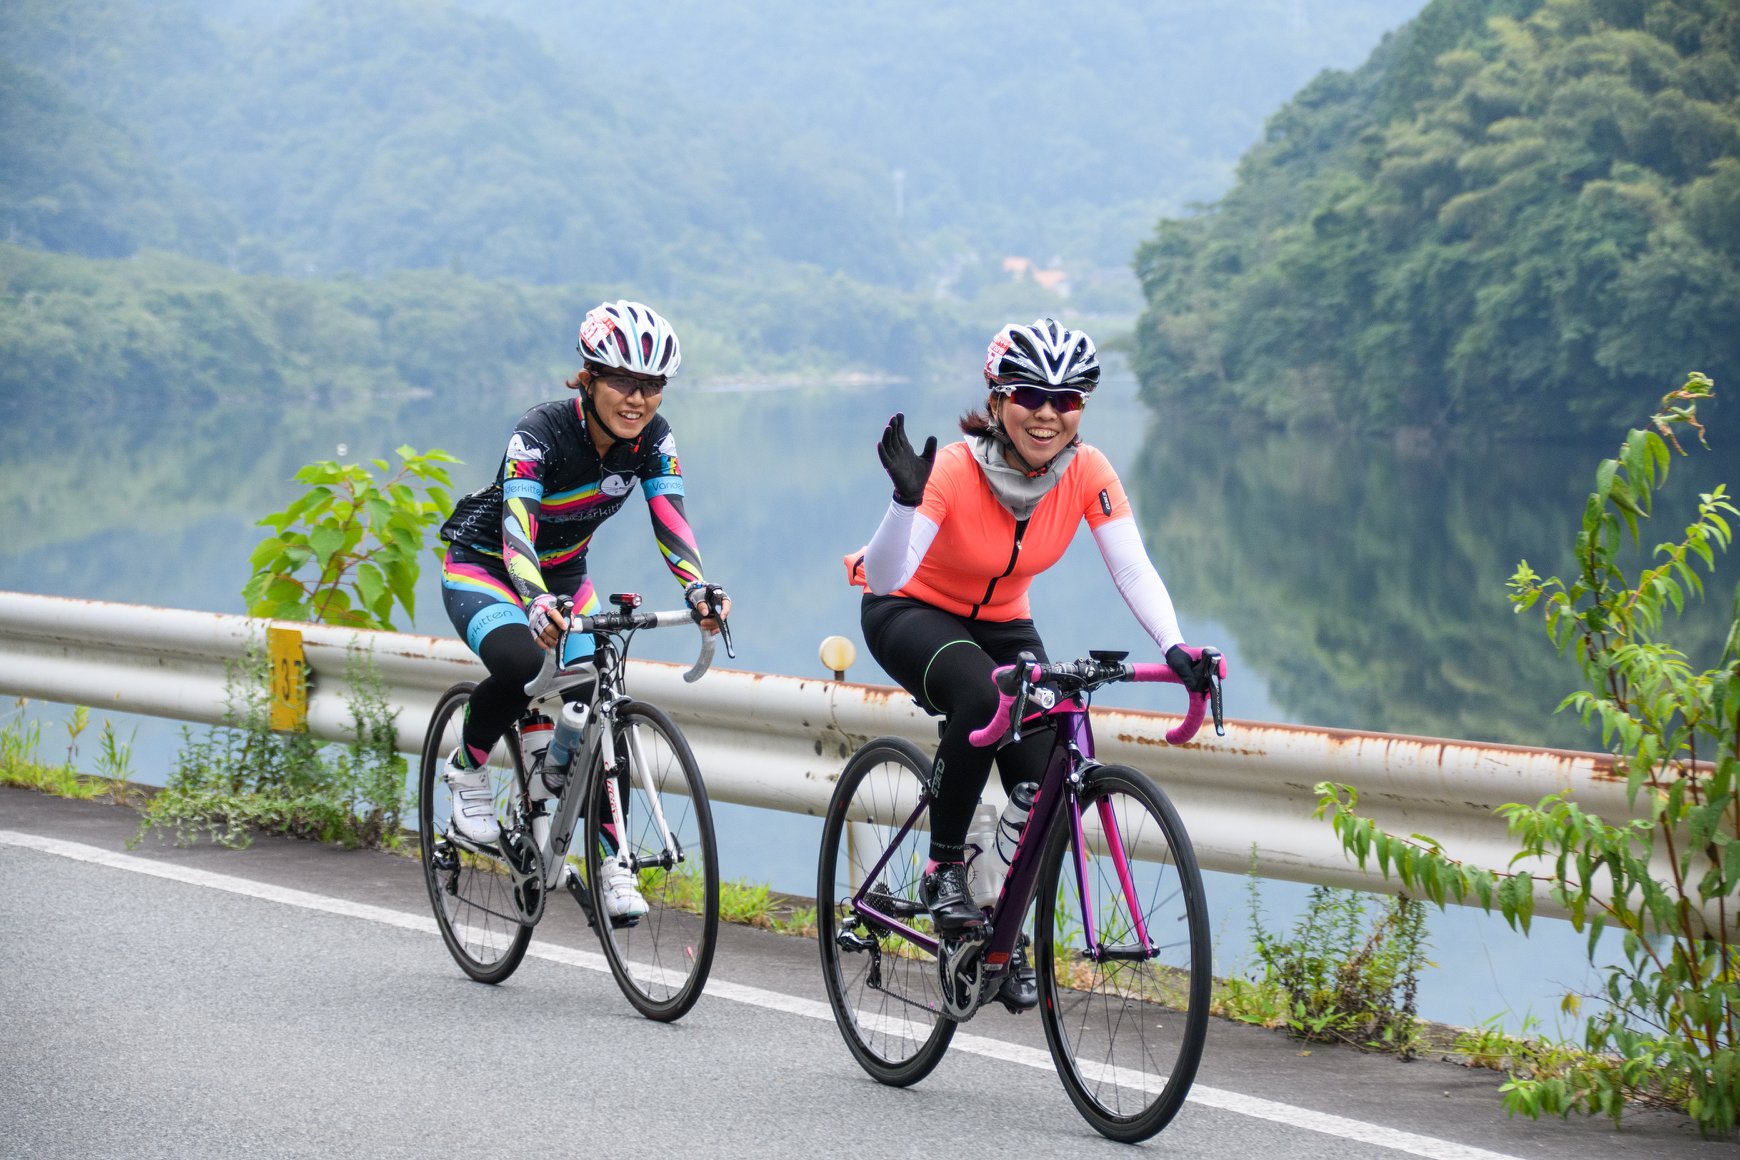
240, 777
1670, 1026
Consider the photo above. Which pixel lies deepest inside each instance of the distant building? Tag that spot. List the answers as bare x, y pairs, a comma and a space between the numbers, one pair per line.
1022, 270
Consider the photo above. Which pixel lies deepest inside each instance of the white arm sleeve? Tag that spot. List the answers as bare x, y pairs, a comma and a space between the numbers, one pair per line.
1138, 581
894, 552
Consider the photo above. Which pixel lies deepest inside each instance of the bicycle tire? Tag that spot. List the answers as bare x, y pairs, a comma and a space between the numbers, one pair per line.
886, 999
1126, 1035
662, 961
471, 894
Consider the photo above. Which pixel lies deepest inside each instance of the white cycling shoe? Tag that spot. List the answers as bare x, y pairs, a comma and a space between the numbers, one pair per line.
622, 899
473, 804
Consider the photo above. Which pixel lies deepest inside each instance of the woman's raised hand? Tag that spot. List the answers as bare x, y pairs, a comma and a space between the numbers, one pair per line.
907, 468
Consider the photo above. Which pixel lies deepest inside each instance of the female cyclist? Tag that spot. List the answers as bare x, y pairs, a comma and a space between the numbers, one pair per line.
947, 572
514, 546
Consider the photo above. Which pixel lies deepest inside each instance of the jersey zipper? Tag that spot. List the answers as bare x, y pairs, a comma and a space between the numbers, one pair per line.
1014, 554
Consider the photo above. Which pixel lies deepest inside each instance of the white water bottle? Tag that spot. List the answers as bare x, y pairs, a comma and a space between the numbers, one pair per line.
563, 746
984, 869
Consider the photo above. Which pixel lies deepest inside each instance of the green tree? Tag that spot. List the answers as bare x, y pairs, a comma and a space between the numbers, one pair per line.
1511, 210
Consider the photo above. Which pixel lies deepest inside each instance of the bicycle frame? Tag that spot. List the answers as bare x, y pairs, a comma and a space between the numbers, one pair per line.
596, 754
1072, 755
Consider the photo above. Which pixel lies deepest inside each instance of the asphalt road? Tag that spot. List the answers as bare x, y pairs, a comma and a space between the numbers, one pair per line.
293, 999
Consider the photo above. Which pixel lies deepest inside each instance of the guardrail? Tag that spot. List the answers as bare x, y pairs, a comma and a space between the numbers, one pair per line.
778, 742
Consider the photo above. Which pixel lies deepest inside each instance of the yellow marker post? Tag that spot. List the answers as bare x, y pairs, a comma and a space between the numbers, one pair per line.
289, 680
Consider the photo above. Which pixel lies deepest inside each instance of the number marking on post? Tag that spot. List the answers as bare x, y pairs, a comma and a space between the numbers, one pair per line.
289, 680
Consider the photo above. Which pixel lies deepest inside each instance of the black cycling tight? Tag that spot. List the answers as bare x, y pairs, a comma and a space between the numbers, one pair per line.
945, 662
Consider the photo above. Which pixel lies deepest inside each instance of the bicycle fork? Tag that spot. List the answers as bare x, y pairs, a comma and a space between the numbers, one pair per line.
670, 853
1094, 948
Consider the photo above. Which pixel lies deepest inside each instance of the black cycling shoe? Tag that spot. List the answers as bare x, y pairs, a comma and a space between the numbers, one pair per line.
944, 893
1020, 989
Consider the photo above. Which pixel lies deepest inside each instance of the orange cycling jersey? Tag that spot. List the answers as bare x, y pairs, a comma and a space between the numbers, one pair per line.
983, 560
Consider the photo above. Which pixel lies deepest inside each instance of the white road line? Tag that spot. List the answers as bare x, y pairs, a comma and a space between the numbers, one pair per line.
1410, 1143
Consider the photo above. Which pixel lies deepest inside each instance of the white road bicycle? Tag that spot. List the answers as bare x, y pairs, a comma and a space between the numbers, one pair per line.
632, 788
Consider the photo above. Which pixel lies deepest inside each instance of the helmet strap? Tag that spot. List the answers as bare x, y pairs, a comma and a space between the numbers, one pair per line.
590, 412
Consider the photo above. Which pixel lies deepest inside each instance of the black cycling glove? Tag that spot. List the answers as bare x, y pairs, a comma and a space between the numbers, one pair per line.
908, 469
1192, 673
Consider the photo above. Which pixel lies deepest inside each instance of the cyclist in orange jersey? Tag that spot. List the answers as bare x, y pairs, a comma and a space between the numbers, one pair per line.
946, 575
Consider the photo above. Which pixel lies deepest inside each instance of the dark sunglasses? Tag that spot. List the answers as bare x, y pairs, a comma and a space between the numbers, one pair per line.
1033, 398
626, 385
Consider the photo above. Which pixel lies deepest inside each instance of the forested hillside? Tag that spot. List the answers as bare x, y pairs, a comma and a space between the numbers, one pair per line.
1520, 217
803, 187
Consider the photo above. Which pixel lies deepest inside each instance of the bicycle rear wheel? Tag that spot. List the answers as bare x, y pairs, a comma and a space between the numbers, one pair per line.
471, 893
660, 961
883, 988
1125, 1018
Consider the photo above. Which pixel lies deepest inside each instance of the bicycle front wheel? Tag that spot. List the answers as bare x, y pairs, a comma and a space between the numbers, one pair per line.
883, 988
661, 959
1124, 980
471, 893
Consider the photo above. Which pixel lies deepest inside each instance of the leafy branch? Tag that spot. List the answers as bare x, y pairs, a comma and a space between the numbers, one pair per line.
345, 551
1667, 878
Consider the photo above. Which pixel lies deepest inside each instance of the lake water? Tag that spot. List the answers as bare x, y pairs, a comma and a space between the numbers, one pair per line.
1350, 583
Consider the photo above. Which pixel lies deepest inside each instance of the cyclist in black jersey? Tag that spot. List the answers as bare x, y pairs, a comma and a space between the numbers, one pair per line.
517, 545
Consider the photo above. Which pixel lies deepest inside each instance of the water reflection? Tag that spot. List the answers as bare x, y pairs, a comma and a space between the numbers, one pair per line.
1367, 583
1351, 584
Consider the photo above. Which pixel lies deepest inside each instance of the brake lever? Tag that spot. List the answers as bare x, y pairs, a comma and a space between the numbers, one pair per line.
1211, 657
712, 593
1017, 711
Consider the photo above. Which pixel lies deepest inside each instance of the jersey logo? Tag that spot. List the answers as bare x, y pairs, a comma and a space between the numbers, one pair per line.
520, 450
616, 486
1105, 502
668, 445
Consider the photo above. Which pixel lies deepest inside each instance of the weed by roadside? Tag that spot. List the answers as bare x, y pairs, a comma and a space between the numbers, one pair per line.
241, 777
22, 763
1336, 977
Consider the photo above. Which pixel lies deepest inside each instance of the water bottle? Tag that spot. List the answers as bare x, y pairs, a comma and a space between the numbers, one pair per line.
984, 871
535, 731
563, 746
1013, 822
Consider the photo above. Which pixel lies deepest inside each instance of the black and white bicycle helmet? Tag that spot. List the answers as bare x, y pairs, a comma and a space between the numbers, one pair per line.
627, 336
1046, 354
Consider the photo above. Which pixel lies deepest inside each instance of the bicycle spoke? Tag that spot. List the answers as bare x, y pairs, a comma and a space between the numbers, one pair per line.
1125, 976
471, 893
883, 988
660, 961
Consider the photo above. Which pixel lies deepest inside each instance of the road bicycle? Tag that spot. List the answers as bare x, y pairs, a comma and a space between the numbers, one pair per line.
625, 770
1120, 933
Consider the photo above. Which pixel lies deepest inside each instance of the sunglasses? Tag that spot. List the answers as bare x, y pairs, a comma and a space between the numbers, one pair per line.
626, 385
1033, 398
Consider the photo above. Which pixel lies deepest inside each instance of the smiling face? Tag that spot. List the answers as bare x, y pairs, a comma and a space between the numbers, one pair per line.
624, 403
1039, 429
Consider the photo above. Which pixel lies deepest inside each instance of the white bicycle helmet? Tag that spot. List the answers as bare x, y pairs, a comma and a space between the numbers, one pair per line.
1046, 354
627, 336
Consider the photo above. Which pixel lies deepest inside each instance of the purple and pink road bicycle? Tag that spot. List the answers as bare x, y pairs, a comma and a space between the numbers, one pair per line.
1120, 935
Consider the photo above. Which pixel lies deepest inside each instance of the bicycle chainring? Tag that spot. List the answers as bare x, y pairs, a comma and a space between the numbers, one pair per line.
525, 866
961, 974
